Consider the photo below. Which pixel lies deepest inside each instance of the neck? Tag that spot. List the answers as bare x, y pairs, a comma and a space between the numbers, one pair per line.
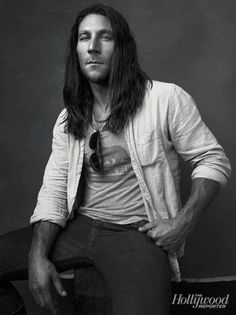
101, 94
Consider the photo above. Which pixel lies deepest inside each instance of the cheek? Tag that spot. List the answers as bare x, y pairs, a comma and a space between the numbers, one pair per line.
110, 53
80, 54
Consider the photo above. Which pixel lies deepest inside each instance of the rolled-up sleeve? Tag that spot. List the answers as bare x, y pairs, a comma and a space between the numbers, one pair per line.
52, 198
193, 140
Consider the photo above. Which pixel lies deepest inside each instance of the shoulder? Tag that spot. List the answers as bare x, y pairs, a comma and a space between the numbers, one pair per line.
60, 123
160, 88
167, 93
159, 94
61, 118
165, 88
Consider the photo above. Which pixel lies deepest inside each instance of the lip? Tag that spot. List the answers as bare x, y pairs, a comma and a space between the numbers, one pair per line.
94, 62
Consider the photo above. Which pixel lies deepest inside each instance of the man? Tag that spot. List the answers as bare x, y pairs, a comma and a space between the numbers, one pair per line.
114, 167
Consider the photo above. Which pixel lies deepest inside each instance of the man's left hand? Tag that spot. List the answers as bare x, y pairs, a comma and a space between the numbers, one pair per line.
167, 233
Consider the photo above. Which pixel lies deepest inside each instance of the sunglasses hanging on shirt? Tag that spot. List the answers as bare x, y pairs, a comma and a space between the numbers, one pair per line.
96, 158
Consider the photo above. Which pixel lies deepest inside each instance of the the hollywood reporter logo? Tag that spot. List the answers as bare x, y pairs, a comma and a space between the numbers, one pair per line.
200, 301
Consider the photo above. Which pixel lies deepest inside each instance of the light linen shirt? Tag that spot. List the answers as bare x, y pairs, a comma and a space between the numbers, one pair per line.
166, 126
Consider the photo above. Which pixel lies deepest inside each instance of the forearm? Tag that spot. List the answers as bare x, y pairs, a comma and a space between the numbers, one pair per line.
42, 272
44, 236
171, 233
203, 192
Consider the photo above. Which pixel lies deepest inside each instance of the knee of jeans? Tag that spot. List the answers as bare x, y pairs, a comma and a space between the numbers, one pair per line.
11, 301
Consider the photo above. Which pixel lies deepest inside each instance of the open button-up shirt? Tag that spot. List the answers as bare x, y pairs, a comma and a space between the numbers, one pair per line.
167, 126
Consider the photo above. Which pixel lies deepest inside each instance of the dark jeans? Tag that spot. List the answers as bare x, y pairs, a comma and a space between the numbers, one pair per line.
135, 270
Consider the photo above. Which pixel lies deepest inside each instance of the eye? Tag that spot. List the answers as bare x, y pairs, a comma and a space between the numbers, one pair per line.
83, 37
107, 37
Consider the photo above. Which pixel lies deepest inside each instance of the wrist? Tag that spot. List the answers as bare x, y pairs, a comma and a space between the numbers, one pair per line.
185, 218
37, 254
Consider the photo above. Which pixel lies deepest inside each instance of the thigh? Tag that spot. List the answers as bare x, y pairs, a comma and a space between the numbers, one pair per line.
68, 250
136, 272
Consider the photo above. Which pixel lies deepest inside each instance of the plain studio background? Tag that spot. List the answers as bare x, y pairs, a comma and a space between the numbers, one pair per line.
188, 42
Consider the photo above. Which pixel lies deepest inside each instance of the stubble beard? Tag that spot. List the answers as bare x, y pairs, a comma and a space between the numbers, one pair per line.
97, 78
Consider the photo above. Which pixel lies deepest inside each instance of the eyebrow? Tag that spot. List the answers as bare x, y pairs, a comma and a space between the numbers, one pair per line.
100, 32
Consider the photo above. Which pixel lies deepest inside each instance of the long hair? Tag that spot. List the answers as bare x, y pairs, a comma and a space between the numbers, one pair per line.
128, 82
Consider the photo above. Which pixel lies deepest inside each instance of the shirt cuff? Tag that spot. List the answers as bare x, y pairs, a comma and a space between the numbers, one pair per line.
54, 218
206, 172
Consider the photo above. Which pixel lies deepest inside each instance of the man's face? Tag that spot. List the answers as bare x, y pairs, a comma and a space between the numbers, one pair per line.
95, 48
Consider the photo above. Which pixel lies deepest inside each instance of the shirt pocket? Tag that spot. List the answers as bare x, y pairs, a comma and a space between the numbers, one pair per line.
149, 148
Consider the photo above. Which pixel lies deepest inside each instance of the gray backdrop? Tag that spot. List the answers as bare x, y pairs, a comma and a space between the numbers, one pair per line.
188, 42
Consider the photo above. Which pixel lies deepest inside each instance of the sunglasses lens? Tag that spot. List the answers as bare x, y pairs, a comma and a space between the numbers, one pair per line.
94, 162
93, 140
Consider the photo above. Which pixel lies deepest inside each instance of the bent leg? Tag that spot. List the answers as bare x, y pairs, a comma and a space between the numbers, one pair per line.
69, 250
136, 271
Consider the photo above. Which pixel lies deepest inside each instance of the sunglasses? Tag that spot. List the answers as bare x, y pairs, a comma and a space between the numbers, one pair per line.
96, 160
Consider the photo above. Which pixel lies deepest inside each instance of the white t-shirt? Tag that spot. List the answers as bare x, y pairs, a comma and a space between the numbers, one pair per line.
112, 195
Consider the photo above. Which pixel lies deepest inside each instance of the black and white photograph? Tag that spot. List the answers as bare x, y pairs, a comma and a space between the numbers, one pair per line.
117, 157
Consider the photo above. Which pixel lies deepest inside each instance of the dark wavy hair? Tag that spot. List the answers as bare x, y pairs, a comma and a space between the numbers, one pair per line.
128, 82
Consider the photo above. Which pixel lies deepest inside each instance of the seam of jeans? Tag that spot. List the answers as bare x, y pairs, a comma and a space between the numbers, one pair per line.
92, 236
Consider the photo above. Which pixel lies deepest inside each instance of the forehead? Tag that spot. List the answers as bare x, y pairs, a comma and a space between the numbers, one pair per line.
95, 22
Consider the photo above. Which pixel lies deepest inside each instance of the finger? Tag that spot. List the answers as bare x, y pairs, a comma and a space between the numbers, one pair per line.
175, 241
175, 247
52, 307
162, 242
48, 301
147, 226
152, 235
159, 242
38, 298
36, 294
170, 250
149, 234
58, 284
167, 243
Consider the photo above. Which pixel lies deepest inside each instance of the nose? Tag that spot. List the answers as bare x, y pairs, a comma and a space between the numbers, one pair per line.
93, 46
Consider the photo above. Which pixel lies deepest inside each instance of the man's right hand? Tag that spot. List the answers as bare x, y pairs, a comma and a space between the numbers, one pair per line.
43, 274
